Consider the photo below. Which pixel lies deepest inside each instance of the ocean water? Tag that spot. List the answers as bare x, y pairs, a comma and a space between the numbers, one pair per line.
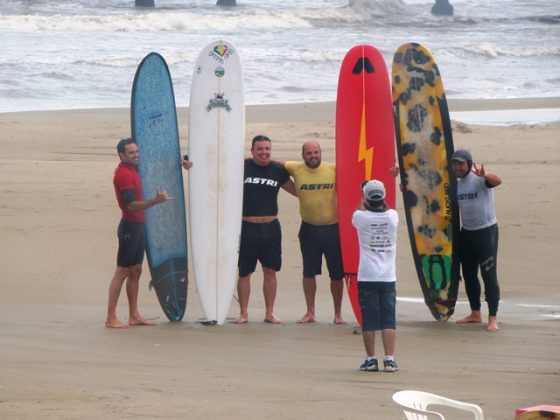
64, 54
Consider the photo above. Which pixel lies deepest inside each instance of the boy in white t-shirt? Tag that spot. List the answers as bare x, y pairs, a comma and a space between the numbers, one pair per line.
376, 225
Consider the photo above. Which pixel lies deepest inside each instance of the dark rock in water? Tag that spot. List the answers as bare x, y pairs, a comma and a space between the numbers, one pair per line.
227, 3
442, 8
144, 3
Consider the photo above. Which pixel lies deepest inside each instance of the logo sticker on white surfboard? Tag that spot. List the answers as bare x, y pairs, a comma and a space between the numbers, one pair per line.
221, 53
218, 102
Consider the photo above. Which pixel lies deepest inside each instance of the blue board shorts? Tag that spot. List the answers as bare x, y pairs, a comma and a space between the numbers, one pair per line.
378, 302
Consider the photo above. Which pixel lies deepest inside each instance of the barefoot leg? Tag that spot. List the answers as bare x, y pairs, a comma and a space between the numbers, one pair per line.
140, 320
492, 324
307, 318
272, 319
309, 290
474, 318
115, 287
269, 291
115, 323
243, 293
241, 319
337, 291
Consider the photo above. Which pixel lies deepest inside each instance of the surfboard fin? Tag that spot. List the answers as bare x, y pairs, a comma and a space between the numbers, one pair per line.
206, 322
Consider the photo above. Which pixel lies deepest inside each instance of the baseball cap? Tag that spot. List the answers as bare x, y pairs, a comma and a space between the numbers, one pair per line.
374, 190
462, 155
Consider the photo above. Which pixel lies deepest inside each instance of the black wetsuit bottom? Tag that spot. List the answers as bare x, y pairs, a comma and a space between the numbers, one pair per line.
479, 248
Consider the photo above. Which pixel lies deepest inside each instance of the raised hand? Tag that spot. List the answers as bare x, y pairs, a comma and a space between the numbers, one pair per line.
478, 171
162, 196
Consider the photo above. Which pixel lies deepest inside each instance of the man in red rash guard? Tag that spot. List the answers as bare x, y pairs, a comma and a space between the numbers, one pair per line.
132, 243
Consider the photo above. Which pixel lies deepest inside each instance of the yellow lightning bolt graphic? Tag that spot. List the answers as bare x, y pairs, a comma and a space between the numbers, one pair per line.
365, 153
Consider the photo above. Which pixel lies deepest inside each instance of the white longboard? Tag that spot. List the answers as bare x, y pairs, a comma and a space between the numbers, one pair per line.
216, 143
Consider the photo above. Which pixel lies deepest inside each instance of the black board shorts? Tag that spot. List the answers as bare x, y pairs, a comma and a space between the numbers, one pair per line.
132, 243
260, 242
316, 241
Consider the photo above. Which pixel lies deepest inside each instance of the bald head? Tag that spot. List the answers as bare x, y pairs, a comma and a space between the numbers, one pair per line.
311, 153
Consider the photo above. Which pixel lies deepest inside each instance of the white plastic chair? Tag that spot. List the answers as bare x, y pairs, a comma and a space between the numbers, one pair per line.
416, 405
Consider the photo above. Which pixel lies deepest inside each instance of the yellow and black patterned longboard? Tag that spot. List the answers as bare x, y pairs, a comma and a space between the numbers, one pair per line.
424, 148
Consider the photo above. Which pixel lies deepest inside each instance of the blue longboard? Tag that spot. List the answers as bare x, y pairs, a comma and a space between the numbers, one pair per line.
154, 127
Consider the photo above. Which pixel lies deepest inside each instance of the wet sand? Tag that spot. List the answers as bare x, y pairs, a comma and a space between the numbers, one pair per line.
58, 218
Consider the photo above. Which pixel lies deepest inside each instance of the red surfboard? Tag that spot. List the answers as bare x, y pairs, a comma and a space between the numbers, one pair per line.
365, 146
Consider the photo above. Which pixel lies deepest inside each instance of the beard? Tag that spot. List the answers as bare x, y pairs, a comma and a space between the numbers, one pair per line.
313, 163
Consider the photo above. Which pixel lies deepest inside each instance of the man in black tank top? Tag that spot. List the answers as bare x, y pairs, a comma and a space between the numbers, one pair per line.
261, 235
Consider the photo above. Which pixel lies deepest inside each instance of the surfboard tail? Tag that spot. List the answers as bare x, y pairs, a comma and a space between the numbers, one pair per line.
171, 287
351, 280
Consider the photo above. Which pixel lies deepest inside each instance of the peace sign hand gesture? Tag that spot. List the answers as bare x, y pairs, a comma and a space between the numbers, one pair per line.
479, 171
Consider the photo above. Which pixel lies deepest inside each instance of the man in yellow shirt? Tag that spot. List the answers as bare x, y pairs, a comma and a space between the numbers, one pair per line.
318, 235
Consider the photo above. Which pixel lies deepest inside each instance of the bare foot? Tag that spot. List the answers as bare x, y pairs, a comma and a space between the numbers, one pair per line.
492, 324
473, 318
307, 318
271, 319
115, 323
338, 320
241, 319
133, 322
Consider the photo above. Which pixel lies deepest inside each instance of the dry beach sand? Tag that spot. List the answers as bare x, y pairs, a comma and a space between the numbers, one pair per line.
58, 218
